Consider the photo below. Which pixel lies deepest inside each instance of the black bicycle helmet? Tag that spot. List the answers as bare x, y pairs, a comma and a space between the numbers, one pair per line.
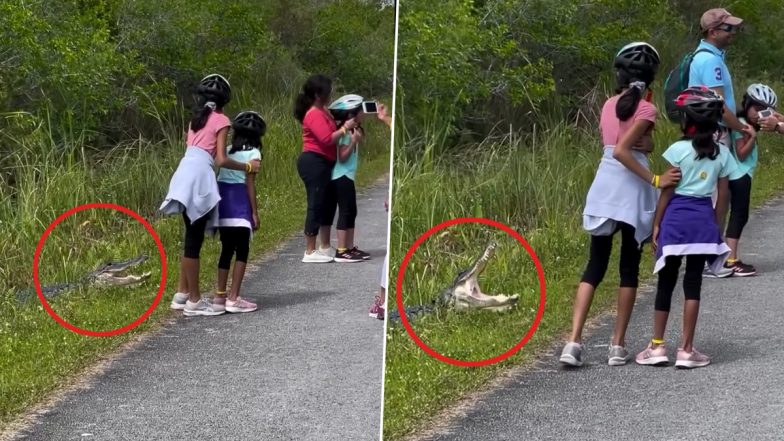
250, 121
700, 104
215, 85
638, 56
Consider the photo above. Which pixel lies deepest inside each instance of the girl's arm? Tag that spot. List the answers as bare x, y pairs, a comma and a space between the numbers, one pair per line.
221, 160
743, 146
722, 201
664, 200
321, 129
623, 153
345, 150
250, 183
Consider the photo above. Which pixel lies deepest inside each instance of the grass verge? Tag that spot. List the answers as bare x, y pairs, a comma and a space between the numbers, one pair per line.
535, 184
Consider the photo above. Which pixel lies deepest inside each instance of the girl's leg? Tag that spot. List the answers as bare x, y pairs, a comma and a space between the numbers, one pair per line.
194, 237
347, 199
629, 268
242, 245
329, 207
601, 247
668, 278
740, 201
182, 284
228, 246
692, 284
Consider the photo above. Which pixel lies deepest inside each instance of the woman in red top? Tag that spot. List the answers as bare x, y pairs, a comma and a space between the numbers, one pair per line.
319, 153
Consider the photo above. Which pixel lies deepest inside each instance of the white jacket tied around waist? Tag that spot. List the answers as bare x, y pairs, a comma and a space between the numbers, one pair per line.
619, 195
193, 188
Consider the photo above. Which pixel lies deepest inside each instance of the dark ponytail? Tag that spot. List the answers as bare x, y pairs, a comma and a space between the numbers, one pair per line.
317, 86
628, 102
201, 113
703, 138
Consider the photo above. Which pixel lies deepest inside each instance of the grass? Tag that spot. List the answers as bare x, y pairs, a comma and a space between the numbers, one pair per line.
536, 184
37, 355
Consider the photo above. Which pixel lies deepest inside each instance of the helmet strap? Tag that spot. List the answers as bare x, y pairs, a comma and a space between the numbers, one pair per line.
211, 104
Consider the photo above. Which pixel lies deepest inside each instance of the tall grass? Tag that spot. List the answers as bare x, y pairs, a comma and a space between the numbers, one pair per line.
534, 182
48, 178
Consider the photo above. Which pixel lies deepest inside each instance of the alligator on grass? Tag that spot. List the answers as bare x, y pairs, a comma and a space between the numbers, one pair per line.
106, 274
464, 293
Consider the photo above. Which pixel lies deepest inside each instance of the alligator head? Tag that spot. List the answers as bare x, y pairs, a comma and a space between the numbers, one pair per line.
108, 273
465, 293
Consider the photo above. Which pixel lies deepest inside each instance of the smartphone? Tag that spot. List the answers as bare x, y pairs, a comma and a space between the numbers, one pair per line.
767, 113
369, 107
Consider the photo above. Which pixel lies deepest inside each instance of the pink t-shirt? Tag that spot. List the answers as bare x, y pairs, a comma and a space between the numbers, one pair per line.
207, 138
317, 129
613, 129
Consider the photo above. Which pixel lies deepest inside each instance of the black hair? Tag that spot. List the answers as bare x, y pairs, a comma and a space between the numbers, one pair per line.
317, 86
341, 116
703, 137
244, 140
630, 99
201, 113
743, 112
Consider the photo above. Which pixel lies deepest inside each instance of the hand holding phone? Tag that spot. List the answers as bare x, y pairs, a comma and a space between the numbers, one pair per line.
369, 107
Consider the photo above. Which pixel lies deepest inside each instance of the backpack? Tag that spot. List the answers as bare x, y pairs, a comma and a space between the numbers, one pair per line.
677, 81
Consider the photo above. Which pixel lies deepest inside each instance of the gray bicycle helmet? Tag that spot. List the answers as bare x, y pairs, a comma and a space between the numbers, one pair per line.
762, 95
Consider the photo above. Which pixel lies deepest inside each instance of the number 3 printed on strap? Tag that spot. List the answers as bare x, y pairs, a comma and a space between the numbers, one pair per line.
718, 73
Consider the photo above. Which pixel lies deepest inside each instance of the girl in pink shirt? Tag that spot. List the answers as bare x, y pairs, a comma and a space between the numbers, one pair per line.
193, 190
621, 198
315, 163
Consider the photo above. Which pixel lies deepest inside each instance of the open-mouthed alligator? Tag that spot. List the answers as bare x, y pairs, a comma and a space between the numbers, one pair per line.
106, 274
464, 293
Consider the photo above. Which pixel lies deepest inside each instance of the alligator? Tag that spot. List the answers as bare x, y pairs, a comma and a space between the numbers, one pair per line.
106, 274
464, 293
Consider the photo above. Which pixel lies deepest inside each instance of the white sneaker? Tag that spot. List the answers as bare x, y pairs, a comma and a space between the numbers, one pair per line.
178, 302
328, 251
202, 307
317, 256
723, 272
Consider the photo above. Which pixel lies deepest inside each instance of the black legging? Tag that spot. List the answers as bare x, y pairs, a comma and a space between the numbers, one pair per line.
740, 201
194, 235
629, 265
316, 172
235, 240
668, 278
343, 194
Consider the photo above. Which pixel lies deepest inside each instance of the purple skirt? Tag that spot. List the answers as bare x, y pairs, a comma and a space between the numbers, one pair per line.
689, 227
234, 209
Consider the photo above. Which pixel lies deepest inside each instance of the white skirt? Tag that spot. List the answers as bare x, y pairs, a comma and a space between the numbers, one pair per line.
193, 188
619, 195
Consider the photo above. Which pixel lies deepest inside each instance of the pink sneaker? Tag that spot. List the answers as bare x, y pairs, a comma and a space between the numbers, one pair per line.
240, 305
653, 356
690, 360
377, 310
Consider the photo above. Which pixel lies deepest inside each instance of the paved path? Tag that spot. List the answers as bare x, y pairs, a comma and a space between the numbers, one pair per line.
309, 364
739, 397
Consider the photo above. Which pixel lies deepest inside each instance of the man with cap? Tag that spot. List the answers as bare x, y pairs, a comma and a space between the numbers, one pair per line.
708, 68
